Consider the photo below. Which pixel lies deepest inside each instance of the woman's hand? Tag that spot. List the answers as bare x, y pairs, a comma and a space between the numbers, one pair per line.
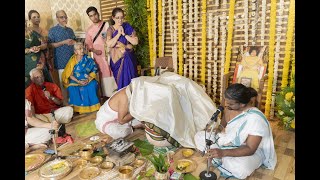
121, 31
215, 153
83, 82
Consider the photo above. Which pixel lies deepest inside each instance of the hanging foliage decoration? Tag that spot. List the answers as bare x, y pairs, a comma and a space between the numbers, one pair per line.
136, 15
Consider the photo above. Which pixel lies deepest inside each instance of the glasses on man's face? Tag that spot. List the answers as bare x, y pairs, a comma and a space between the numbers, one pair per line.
63, 17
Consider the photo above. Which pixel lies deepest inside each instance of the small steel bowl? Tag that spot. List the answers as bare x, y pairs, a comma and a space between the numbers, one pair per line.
107, 166
125, 172
96, 160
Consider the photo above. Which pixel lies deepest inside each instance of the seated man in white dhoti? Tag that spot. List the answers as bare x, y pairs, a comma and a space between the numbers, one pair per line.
245, 143
46, 100
113, 117
36, 131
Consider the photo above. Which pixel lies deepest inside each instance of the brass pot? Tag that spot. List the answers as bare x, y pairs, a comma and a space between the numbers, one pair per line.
125, 172
106, 166
96, 160
86, 154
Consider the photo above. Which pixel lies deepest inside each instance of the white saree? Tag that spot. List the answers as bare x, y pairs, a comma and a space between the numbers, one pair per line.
172, 102
250, 122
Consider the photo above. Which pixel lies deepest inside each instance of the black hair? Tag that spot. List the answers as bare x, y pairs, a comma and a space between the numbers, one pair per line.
31, 12
91, 8
114, 12
240, 93
254, 48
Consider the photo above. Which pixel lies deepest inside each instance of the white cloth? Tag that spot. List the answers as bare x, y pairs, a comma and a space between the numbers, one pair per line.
107, 122
173, 103
34, 135
62, 115
251, 122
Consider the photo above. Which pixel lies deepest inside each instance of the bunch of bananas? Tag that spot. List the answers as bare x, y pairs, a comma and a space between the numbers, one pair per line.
183, 165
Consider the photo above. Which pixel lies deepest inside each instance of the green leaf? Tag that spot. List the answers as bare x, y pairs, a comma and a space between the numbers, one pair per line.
144, 147
189, 176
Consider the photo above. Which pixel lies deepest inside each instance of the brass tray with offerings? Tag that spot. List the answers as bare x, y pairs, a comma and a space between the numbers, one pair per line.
55, 169
185, 165
33, 161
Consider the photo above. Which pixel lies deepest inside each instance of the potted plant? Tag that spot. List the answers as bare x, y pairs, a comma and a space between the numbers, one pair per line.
160, 165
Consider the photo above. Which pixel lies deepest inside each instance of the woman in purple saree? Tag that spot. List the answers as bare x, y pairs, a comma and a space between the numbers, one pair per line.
120, 39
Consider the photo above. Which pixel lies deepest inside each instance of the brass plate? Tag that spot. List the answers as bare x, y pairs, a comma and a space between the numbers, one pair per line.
56, 169
33, 161
188, 169
89, 173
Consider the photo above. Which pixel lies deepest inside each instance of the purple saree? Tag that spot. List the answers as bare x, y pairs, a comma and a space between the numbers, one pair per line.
123, 62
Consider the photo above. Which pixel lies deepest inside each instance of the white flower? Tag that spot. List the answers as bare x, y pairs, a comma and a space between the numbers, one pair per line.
280, 112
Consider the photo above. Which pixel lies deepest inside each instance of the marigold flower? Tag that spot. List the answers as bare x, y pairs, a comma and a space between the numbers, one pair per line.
288, 96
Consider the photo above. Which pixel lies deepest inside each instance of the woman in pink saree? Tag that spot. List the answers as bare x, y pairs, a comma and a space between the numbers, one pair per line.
120, 39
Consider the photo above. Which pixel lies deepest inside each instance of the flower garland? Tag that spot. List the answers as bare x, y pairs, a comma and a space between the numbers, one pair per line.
216, 2
293, 69
195, 42
289, 35
230, 32
180, 36
273, 18
163, 27
170, 21
190, 40
277, 56
203, 41
160, 27
174, 47
210, 20
154, 28
254, 14
263, 20
215, 56
246, 27
150, 33
223, 29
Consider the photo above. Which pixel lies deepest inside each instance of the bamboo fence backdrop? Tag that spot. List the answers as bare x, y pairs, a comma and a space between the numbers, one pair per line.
192, 36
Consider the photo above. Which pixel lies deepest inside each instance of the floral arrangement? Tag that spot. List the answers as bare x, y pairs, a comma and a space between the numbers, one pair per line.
285, 103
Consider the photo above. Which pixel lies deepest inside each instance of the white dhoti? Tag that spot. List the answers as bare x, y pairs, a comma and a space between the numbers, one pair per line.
62, 115
107, 122
37, 135
251, 122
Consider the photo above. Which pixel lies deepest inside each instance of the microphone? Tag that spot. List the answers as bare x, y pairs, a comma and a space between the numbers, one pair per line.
215, 115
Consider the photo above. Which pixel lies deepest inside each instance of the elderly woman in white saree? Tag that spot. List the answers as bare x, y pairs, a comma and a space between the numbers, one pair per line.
246, 141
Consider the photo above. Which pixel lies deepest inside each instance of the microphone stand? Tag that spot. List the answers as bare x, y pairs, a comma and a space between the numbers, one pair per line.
53, 133
206, 174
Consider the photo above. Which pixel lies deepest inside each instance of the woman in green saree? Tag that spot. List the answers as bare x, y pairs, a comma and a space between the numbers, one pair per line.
34, 57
